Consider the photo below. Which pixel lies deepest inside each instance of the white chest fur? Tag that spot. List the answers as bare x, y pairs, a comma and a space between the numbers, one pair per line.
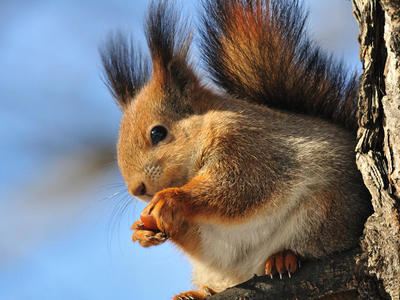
233, 254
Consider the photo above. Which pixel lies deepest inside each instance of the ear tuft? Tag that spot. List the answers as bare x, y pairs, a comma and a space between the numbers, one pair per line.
126, 70
169, 42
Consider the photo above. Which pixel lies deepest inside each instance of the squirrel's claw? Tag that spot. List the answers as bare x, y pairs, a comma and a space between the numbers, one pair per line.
195, 295
185, 297
147, 237
281, 262
190, 295
208, 291
292, 263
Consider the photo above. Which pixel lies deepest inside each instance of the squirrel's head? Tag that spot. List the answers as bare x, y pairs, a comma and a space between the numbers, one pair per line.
156, 140
157, 134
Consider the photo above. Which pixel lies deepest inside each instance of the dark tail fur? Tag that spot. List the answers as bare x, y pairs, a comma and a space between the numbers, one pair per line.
259, 50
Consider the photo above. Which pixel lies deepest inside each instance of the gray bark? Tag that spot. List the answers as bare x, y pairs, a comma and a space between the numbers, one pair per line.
378, 150
339, 275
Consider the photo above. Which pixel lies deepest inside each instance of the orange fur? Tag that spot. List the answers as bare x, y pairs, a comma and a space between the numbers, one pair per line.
232, 182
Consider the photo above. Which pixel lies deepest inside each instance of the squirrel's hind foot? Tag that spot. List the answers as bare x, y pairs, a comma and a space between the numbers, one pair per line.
195, 295
282, 262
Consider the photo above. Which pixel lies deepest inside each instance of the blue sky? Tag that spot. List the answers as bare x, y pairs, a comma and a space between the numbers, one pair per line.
64, 235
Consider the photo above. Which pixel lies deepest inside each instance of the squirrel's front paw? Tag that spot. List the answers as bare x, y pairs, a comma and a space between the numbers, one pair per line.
147, 237
281, 262
167, 209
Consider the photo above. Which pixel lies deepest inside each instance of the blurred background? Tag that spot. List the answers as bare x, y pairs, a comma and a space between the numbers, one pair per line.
64, 211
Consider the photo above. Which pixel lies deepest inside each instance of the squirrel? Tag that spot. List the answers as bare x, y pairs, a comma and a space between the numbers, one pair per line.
254, 172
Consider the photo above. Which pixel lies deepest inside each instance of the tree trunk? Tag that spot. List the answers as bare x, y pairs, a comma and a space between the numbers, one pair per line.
366, 273
378, 150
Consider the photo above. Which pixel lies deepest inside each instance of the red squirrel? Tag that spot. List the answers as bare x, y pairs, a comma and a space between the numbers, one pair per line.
250, 173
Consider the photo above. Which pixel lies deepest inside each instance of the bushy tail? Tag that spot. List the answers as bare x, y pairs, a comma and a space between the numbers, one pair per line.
259, 50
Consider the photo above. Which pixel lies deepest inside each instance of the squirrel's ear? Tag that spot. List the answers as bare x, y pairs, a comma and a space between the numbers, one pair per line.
126, 70
169, 42
178, 83
181, 77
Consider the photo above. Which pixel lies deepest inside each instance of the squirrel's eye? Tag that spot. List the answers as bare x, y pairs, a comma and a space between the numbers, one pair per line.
157, 134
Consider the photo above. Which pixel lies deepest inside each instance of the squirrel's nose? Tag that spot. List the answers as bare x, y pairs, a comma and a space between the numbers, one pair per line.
139, 190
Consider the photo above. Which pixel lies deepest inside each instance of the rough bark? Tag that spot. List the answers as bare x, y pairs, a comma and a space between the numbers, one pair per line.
378, 158
378, 150
338, 275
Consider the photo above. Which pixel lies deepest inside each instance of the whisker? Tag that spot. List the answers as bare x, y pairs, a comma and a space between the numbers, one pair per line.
122, 200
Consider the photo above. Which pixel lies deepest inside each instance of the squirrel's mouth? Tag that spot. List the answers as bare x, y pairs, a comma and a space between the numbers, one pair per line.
145, 197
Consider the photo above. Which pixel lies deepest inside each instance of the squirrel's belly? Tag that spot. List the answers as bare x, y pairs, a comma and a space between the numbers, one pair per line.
233, 254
